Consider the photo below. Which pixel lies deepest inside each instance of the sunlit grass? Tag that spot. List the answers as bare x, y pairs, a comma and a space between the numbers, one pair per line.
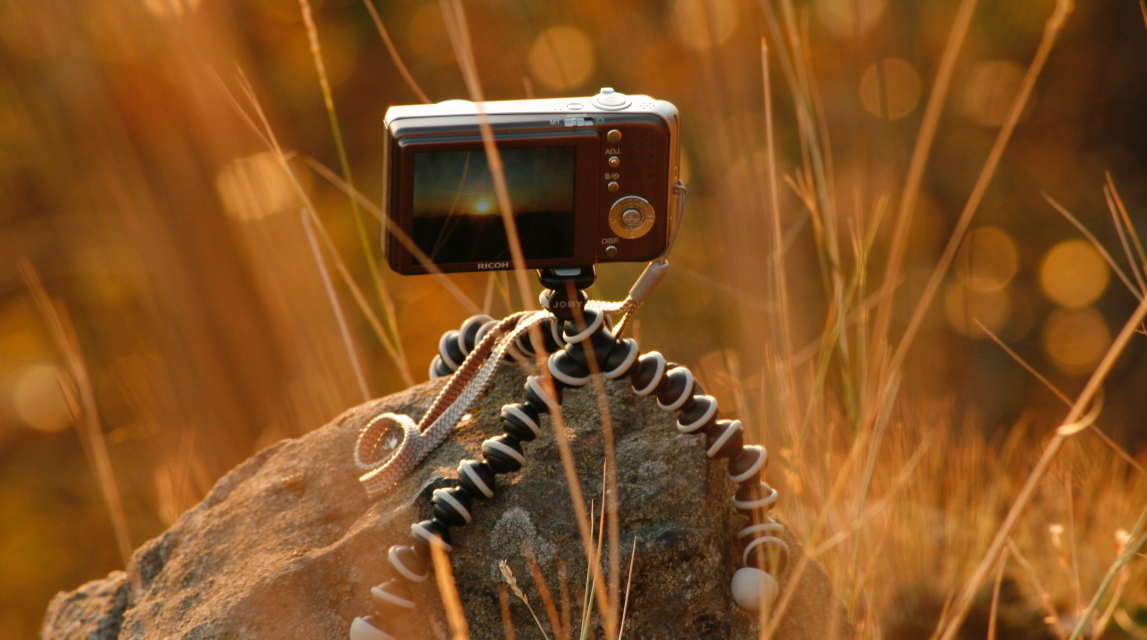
896, 489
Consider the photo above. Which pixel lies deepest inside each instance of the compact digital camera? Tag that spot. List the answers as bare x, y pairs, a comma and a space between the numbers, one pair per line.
590, 180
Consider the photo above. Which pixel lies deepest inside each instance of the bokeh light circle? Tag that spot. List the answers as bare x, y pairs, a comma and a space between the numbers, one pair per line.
171, 8
990, 90
427, 37
988, 259
255, 186
561, 58
967, 308
701, 25
38, 399
890, 89
849, 18
1075, 339
1073, 274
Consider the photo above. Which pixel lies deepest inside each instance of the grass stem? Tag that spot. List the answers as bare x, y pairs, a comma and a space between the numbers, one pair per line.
444, 576
963, 603
1136, 541
81, 401
340, 147
344, 331
906, 208
1052, 28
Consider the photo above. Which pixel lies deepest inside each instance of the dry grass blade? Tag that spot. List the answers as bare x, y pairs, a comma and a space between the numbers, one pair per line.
964, 601
1086, 421
1023, 363
596, 562
1112, 208
547, 597
842, 478
609, 486
587, 593
336, 132
869, 512
564, 585
993, 612
578, 500
508, 576
262, 128
393, 51
898, 246
1136, 541
419, 255
344, 331
507, 620
628, 584
455, 17
1111, 444
392, 348
1037, 586
784, 327
444, 576
1051, 32
1100, 625
1095, 242
83, 408
1136, 266
794, 65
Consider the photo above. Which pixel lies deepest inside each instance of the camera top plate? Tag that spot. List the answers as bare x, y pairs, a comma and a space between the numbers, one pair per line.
607, 101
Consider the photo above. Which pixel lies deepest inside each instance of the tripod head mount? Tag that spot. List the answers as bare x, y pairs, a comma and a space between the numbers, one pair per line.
565, 290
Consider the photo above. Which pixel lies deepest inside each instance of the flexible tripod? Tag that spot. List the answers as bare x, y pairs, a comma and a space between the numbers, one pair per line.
578, 338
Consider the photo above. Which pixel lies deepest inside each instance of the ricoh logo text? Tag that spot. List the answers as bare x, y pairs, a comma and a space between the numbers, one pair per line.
483, 266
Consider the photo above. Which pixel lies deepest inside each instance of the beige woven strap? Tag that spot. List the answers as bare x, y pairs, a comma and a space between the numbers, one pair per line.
382, 467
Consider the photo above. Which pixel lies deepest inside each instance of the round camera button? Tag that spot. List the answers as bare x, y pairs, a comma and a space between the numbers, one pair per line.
610, 100
614, 161
611, 251
613, 136
613, 187
631, 217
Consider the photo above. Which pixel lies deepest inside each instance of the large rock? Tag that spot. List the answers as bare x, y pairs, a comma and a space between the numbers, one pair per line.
287, 545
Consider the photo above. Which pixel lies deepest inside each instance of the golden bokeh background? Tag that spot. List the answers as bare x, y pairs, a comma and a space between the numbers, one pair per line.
175, 246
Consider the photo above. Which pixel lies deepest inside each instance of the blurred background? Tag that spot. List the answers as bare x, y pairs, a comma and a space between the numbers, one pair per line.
174, 246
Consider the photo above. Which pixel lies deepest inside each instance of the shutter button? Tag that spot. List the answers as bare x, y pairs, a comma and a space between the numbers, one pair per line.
610, 100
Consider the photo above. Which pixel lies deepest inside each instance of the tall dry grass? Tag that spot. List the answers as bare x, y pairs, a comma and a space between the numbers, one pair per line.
825, 250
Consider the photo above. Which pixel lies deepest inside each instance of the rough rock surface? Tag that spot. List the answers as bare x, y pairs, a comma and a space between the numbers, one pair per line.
287, 545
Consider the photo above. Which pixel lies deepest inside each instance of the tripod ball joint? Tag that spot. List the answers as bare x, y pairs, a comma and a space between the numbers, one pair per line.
551, 335
408, 564
455, 345
562, 303
476, 479
451, 506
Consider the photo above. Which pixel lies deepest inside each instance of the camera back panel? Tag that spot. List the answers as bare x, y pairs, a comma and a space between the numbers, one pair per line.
588, 180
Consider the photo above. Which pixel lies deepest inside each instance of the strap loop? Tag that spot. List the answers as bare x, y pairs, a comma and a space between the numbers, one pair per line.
381, 472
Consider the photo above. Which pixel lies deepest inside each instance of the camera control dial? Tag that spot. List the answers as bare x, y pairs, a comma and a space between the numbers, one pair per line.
631, 217
610, 100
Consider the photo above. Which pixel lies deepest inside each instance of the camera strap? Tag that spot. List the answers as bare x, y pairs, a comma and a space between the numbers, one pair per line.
391, 445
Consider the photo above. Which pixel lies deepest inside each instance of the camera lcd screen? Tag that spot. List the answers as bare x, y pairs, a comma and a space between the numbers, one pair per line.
456, 214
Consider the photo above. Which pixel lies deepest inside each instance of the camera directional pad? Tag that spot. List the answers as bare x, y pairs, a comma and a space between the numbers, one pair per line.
631, 217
